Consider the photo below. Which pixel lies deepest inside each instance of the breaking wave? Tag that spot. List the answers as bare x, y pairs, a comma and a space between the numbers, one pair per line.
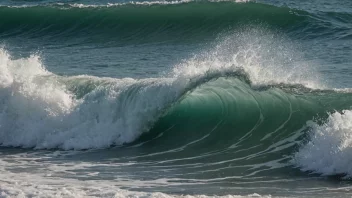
241, 93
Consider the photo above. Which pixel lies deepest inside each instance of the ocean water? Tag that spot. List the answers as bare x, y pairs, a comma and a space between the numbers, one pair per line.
184, 98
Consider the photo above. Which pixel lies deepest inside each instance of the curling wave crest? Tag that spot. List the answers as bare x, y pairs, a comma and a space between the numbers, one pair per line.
252, 77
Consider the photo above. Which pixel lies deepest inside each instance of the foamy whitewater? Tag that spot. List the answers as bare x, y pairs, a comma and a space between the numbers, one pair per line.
329, 149
41, 112
175, 99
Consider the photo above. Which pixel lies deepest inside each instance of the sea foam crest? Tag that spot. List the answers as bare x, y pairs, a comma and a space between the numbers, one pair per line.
329, 151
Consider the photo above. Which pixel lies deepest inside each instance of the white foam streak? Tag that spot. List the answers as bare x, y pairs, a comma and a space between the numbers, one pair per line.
138, 3
24, 189
329, 151
45, 179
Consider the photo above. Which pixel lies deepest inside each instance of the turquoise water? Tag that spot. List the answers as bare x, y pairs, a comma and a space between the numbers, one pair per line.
175, 98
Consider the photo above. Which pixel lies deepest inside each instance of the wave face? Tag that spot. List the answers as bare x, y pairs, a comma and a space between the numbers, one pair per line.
149, 21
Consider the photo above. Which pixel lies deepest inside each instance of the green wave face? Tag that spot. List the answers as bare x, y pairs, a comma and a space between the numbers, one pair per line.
228, 123
135, 22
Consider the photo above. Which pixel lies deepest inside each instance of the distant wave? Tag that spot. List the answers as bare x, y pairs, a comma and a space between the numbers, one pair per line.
149, 21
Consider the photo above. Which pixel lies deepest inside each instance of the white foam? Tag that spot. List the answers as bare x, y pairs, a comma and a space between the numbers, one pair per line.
24, 189
329, 151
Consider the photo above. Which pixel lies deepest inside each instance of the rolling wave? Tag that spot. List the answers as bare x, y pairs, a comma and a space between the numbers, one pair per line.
237, 100
156, 20
215, 111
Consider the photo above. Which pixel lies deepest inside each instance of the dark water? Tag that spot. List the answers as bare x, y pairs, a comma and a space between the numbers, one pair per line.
175, 98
